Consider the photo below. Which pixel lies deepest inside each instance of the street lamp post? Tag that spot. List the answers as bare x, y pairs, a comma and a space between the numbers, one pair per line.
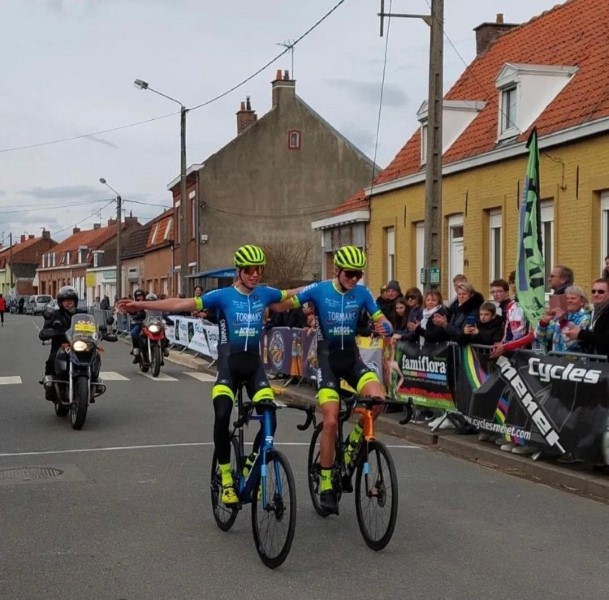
143, 85
119, 275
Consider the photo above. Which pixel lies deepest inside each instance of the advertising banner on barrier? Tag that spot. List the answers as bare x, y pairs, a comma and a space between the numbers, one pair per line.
194, 334
542, 401
424, 376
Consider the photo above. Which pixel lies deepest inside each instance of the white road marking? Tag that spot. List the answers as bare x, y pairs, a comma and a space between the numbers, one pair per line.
13, 380
153, 446
161, 377
112, 376
205, 377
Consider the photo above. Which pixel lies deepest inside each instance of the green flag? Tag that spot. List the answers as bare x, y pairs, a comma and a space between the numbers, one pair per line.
530, 269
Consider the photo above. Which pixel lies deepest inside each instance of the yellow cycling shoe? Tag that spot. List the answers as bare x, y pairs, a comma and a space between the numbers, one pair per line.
229, 495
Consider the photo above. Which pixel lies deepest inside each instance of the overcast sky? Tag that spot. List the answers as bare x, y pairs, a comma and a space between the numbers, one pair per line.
69, 66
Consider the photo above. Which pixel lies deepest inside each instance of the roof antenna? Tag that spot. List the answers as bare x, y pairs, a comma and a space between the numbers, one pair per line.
289, 45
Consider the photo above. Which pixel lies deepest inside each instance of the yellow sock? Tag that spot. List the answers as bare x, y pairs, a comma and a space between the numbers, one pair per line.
326, 480
227, 476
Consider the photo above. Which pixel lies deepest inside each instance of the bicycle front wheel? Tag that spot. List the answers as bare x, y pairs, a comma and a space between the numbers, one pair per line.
376, 494
224, 515
274, 510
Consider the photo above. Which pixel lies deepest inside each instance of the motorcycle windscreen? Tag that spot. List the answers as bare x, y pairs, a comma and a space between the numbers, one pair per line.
83, 328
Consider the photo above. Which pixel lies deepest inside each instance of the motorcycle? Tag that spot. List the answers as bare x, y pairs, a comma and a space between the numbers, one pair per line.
152, 338
77, 366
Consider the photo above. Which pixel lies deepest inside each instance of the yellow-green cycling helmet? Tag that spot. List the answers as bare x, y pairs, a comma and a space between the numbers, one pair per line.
249, 256
350, 257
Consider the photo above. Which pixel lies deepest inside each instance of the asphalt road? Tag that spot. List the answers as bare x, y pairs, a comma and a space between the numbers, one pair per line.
128, 514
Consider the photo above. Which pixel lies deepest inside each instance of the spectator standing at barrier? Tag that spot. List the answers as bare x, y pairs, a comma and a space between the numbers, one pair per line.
388, 298
554, 323
560, 279
457, 280
517, 332
97, 303
399, 318
426, 331
595, 339
2, 309
105, 303
500, 295
414, 301
468, 303
488, 328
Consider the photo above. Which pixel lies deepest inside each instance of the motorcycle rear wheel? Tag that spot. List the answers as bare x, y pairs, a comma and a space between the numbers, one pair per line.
78, 408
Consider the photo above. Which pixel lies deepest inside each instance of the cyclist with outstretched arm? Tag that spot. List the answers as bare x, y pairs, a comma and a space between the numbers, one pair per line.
338, 302
240, 312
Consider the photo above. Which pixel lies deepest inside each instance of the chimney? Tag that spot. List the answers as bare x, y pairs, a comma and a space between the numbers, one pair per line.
487, 33
283, 88
22, 237
75, 230
130, 221
246, 116
111, 222
46, 235
96, 225
31, 236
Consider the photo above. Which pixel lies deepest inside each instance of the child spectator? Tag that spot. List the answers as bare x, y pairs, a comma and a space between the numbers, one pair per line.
487, 329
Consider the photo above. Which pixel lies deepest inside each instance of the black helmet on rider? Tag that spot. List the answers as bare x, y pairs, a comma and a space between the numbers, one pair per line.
67, 292
139, 294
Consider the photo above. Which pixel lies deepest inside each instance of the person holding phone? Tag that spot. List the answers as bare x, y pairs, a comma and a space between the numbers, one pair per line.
468, 304
486, 330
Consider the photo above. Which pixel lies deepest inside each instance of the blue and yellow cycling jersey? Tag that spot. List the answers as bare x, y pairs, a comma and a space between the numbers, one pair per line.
240, 315
336, 312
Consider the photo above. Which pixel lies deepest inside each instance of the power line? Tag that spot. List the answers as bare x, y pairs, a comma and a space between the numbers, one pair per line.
85, 218
201, 105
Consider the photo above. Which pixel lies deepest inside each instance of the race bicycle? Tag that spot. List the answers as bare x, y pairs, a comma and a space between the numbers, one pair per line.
268, 484
376, 484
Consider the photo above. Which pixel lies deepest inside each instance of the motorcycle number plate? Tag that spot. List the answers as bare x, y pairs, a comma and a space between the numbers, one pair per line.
85, 328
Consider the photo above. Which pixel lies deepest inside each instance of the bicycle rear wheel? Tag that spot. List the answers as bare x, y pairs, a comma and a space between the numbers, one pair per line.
376, 494
274, 510
224, 515
314, 472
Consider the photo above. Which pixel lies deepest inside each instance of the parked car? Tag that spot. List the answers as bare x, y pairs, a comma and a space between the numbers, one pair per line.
36, 304
13, 303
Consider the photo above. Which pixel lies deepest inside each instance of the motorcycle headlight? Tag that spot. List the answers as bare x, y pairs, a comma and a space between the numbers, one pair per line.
154, 328
80, 346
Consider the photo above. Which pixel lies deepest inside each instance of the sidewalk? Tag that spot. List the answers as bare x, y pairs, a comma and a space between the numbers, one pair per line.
578, 478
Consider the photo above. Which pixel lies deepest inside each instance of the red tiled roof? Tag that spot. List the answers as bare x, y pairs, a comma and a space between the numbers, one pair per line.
356, 202
91, 238
18, 247
574, 33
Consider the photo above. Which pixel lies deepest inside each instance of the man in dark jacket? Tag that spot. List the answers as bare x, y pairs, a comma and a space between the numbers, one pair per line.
56, 322
386, 300
595, 339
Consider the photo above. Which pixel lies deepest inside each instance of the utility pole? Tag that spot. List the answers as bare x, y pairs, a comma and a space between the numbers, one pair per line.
183, 201
10, 258
119, 267
433, 168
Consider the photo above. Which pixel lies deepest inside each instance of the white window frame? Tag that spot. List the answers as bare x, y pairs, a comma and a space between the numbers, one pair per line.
604, 245
390, 244
419, 250
547, 230
424, 138
508, 110
495, 244
191, 197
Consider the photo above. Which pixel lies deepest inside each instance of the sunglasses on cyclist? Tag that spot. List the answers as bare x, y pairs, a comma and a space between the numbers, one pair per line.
254, 270
352, 274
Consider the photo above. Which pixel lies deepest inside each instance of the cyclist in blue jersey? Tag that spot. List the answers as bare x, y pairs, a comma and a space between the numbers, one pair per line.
240, 313
338, 302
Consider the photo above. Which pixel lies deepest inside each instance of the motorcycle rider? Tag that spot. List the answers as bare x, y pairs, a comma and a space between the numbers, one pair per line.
136, 325
165, 342
56, 322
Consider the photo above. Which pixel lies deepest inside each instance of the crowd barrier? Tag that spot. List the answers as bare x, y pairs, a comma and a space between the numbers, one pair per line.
556, 402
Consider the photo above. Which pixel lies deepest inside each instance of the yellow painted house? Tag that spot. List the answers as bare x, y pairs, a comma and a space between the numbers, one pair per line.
550, 73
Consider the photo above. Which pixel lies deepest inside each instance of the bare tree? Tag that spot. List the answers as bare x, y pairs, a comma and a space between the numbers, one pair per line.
286, 261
